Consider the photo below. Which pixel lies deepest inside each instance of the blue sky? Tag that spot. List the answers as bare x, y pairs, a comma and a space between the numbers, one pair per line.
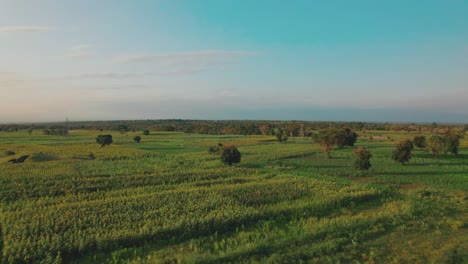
221, 59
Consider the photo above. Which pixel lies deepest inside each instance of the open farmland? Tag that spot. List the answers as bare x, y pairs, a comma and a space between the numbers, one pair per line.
168, 200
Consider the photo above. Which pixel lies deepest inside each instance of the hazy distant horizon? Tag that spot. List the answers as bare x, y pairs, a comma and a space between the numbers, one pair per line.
379, 61
333, 115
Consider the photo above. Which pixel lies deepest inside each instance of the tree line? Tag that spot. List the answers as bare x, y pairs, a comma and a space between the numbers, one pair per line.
233, 127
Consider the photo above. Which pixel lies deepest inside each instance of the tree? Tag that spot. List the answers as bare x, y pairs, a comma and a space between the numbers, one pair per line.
265, 129
215, 149
230, 155
146, 132
420, 141
350, 137
326, 140
436, 144
363, 156
284, 137
452, 142
281, 136
137, 139
402, 152
104, 140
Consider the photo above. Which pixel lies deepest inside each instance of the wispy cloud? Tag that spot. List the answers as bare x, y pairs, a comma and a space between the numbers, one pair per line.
10, 79
127, 75
80, 51
13, 29
194, 57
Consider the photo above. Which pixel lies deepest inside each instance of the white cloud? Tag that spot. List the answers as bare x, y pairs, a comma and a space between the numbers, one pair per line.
14, 29
195, 57
10, 79
80, 51
127, 75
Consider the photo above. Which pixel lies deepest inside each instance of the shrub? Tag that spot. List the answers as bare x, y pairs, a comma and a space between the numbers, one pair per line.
363, 156
213, 150
146, 132
19, 160
9, 153
230, 155
452, 142
42, 157
402, 152
436, 144
281, 136
104, 140
420, 141
137, 139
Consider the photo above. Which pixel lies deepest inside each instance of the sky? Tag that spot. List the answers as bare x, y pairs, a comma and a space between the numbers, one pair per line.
338, 60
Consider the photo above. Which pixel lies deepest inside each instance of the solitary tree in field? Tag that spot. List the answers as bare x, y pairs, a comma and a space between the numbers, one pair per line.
363, 156
402, 152
146, 132
230, 155
452, 142
327, 140
137, 139
436, 145
420, 141
281, 136
104, 140
284, 137
348, 138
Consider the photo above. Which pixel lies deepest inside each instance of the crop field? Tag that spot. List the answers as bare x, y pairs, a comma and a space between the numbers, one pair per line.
168, 200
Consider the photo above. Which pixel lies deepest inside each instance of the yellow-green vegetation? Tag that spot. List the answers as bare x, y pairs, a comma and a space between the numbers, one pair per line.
169, 200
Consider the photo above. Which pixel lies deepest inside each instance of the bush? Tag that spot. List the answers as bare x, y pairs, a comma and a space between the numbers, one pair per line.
402, 152
363, 156
137, 139
20, 159
281, 136
230, 155
42, 157
420, 141
9, 153
104, 140
213, 150
452, 142
146, 132
436, 144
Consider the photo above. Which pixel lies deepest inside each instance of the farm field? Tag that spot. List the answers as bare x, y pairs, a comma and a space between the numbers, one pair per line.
168, 200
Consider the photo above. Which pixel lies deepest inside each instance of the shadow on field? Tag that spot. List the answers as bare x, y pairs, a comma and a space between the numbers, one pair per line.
422, 173
331, 166
438, 164
442, 157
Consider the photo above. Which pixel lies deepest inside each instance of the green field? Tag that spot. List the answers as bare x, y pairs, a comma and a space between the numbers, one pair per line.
167, 200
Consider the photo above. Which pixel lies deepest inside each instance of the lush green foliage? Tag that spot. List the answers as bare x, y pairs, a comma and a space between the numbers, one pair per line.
104, 140
167, 200
328, 139
402, 152
436, 145
230, 155
363, 156
137, 139
419, 141
452, 142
